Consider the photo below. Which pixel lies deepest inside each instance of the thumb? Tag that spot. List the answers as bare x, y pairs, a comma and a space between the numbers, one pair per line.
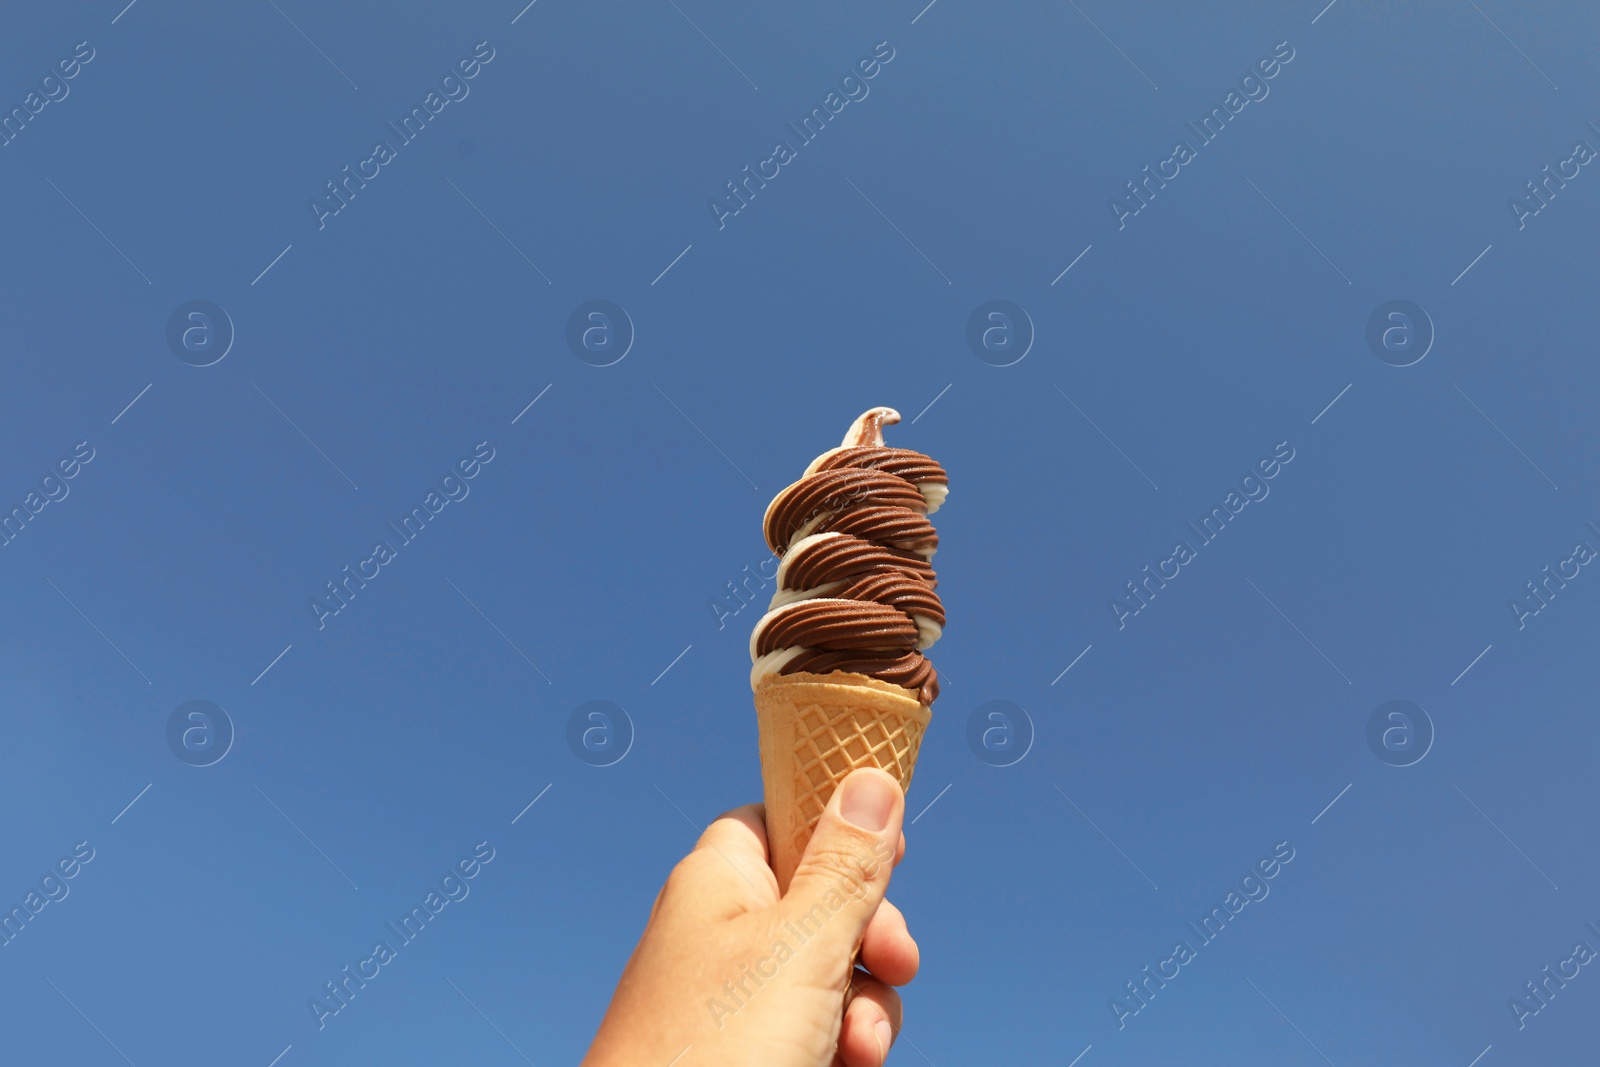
845, 871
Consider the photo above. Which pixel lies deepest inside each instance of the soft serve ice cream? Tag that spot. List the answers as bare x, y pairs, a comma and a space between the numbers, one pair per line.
855, 583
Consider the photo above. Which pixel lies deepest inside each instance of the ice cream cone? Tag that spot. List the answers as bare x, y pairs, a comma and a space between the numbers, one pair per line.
814, 730
837, 662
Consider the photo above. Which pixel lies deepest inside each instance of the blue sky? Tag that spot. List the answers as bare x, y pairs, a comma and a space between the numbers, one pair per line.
425, 325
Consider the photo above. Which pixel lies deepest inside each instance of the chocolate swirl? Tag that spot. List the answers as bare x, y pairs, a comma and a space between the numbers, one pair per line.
914, 467
910, 671
843, 625
834, 491
895, 527
824, 558
855, 588
911, 595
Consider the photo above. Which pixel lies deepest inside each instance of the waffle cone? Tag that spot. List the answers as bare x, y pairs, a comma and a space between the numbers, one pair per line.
814, 730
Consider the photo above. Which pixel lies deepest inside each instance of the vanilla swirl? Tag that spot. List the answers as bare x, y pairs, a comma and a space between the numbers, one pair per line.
855, 585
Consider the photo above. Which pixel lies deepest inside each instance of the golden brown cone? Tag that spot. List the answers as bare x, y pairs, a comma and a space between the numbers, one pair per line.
814, 730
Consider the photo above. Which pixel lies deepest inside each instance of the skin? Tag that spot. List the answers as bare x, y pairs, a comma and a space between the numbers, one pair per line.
826, 1000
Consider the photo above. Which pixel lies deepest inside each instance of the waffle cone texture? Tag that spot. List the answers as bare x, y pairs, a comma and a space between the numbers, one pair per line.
814, 730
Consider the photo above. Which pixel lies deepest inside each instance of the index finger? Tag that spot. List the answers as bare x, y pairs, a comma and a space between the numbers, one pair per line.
740, 838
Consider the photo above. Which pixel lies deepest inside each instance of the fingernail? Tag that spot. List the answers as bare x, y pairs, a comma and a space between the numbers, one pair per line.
867, 801
885, 1036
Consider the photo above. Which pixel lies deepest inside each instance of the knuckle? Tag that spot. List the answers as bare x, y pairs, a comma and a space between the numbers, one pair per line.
686, 875
846, 859
883, 999
893, 1008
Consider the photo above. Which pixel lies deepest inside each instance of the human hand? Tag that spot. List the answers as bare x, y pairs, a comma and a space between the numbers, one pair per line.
728, 973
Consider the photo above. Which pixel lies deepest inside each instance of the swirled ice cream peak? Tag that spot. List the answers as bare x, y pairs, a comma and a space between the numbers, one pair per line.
856, 591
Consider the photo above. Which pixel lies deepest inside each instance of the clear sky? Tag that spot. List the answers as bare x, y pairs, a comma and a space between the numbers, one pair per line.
1174, 348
